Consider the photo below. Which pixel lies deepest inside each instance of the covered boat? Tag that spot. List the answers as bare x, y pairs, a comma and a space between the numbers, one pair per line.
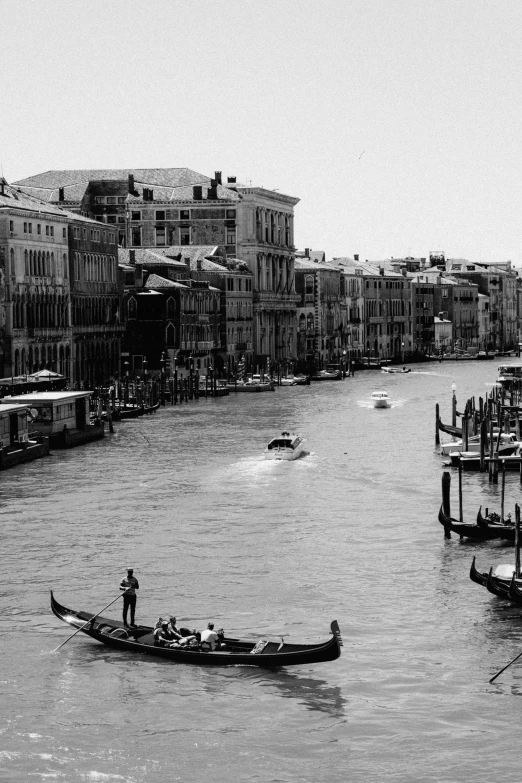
263, 653
285, 446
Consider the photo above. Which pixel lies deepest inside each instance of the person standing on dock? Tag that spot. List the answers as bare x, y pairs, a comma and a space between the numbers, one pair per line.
129, 584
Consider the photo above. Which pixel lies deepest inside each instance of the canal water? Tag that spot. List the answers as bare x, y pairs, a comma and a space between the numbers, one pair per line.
214, 532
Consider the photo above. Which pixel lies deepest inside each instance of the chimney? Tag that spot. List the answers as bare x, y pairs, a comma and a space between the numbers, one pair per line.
138, 275
132, 256
356, 256
2, 186
231, 180
217, 177
212, 193
307, 252
199, 264
381, 271
131, 183
404, 271
61, 194
187, 264
197, 192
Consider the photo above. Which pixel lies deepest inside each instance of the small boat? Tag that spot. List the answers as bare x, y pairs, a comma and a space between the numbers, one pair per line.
466, 529
396, 370
251, 386
263, 652
380, 399
285, 446
497, 580
327, 375
133, 411
288, 381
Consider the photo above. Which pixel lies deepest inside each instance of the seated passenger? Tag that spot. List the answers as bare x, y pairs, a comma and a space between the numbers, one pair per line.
173, 628
163, 637
182, 635
209, 638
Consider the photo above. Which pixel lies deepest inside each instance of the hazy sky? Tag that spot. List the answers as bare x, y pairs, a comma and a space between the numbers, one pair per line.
397, 124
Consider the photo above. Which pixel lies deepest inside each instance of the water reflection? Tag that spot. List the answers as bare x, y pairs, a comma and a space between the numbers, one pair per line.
314, 694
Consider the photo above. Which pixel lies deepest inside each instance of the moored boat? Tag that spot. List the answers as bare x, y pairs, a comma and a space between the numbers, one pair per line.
466, 529
285, 446
396, 370
262, 652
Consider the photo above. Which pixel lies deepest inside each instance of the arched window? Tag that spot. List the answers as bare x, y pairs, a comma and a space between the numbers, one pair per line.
132, 308
302, 322
310, 323
171, 308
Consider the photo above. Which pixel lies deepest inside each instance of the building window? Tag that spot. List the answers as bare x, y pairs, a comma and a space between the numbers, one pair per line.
111, 199
230, 236
230, 214
230, 283
136, 236
184, 236
29, 228
121, 199
38, 228
99, 200
160, 235
184, 214
51, 229
11, 225
135, 215
160, 214
309, 288
64, 233
121, 218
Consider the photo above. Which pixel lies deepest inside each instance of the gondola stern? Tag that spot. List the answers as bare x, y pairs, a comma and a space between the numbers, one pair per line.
334, 627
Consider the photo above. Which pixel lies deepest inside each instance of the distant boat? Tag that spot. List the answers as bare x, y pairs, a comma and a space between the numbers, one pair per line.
380, 399
397, 370
285, 446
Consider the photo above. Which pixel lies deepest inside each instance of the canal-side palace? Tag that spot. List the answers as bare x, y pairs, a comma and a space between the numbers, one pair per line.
170, 269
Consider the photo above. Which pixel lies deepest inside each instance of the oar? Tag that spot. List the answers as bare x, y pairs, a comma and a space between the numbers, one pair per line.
87, 623
506, 666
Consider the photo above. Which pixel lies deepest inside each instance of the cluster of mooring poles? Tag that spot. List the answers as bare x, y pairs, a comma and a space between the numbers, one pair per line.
489, 441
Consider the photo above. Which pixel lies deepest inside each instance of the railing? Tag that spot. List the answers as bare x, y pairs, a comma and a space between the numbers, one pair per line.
205, 345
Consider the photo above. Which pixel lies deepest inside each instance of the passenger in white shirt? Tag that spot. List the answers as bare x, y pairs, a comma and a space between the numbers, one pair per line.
209, 636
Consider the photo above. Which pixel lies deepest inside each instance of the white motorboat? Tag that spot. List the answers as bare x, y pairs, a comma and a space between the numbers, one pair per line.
380, 399
285, 446
507, 440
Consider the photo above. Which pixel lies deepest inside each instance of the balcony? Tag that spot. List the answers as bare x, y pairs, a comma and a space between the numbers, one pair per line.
205, 345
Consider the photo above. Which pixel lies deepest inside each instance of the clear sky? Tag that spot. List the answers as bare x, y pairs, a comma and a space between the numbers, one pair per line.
396, 122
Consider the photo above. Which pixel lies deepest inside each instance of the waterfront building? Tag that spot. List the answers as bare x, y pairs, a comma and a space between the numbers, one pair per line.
485, 341
172, 321
387, 311
96, 294
423, 314
498, 281
231, 276
319, 336
442, 334
158, 208
35, 315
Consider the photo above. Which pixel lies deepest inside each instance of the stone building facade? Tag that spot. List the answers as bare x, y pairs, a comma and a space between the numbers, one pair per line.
319, 335
35, 313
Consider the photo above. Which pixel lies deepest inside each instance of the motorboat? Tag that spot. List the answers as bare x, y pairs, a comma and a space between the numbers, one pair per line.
397, 370
327, 375
380, 399
285, 446
508, 373
507, 440
288, 381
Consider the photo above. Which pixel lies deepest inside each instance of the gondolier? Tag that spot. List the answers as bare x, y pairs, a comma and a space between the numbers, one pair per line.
130, 585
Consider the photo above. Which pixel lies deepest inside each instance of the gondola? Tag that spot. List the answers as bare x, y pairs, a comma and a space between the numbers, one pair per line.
515, 591
503, 530
499, 583
263, 653
466, 529
449, 429
134, 411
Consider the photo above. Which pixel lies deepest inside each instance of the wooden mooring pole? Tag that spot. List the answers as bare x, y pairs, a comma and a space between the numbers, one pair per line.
437, 422
446, 491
